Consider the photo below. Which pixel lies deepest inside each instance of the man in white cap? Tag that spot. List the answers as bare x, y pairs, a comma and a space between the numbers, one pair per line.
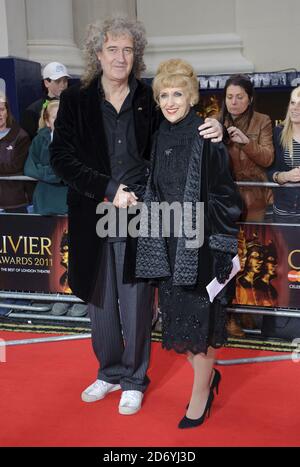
55, 79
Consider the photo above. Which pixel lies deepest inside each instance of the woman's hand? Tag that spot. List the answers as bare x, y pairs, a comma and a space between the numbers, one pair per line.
211, 129
292, 176
124, 199
237, 136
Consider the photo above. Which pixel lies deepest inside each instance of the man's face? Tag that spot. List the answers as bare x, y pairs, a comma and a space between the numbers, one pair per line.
56, 86
116, 58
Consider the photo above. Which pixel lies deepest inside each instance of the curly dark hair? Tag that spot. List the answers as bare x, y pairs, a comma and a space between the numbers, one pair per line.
97, 35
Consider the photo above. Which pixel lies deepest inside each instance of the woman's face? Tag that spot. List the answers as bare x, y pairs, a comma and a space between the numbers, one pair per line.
3, 115
237, 100
255, 261
51, 118
175, 103
271, 268
294, 109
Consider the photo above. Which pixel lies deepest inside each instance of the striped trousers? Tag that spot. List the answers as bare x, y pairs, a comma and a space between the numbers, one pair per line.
121, 327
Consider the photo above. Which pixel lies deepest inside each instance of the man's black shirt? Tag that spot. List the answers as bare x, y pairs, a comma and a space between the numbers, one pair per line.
127, 166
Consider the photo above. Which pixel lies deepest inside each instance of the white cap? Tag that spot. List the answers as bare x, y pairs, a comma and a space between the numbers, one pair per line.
55, 70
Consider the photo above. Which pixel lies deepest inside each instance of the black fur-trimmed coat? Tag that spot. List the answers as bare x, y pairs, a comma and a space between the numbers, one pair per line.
209, 180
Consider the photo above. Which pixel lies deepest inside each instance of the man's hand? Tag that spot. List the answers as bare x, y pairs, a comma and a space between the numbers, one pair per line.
124, 199
211, 129
237, 136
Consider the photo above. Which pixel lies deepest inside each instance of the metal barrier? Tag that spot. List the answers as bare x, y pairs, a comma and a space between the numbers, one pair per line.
263, 311
22, 178
40, 297
50, 317
268, 184
280, 311
243, 361
43, 340
54, 298
24, 307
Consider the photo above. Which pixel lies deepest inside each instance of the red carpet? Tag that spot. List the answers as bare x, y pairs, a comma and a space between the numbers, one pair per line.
40, 403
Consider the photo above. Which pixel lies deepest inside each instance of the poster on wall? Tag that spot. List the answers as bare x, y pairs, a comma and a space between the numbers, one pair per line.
270, 266
272, 102
34, 253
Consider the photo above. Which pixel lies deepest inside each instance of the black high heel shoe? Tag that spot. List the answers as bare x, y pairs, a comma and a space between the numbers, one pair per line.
216, 381
186, 422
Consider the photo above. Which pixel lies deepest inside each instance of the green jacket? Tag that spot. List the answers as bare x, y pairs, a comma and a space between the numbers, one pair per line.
50, 194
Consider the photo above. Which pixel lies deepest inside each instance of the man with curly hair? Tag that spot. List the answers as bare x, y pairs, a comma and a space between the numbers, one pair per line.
101, 145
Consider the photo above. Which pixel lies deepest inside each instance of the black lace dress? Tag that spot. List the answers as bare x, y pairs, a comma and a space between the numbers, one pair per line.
189, 321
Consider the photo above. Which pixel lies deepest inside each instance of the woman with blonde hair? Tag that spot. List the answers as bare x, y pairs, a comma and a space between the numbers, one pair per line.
188, 170
286, 166
50, 194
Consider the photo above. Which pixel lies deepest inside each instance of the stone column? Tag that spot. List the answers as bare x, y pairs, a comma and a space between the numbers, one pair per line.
89, 11
50, 33
201, 32
13, 28
3, 30
271, 32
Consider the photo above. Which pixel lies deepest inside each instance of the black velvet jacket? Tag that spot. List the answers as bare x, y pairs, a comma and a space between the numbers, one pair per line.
79, 156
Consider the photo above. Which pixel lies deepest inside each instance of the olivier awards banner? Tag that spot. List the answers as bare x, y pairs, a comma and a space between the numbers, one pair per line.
33, 253
270, 266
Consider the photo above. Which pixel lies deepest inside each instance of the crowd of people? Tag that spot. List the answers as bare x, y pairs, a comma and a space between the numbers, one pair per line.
258, 152
114, 138
24, 150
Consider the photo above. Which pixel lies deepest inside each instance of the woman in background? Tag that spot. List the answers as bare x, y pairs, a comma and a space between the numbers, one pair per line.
286, 167
50, 194
251, 151
14, 145
250, 144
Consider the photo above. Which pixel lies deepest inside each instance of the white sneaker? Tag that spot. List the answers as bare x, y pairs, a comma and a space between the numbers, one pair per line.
98, 390
130, 402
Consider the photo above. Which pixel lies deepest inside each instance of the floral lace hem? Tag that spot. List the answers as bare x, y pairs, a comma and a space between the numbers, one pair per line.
190, 347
